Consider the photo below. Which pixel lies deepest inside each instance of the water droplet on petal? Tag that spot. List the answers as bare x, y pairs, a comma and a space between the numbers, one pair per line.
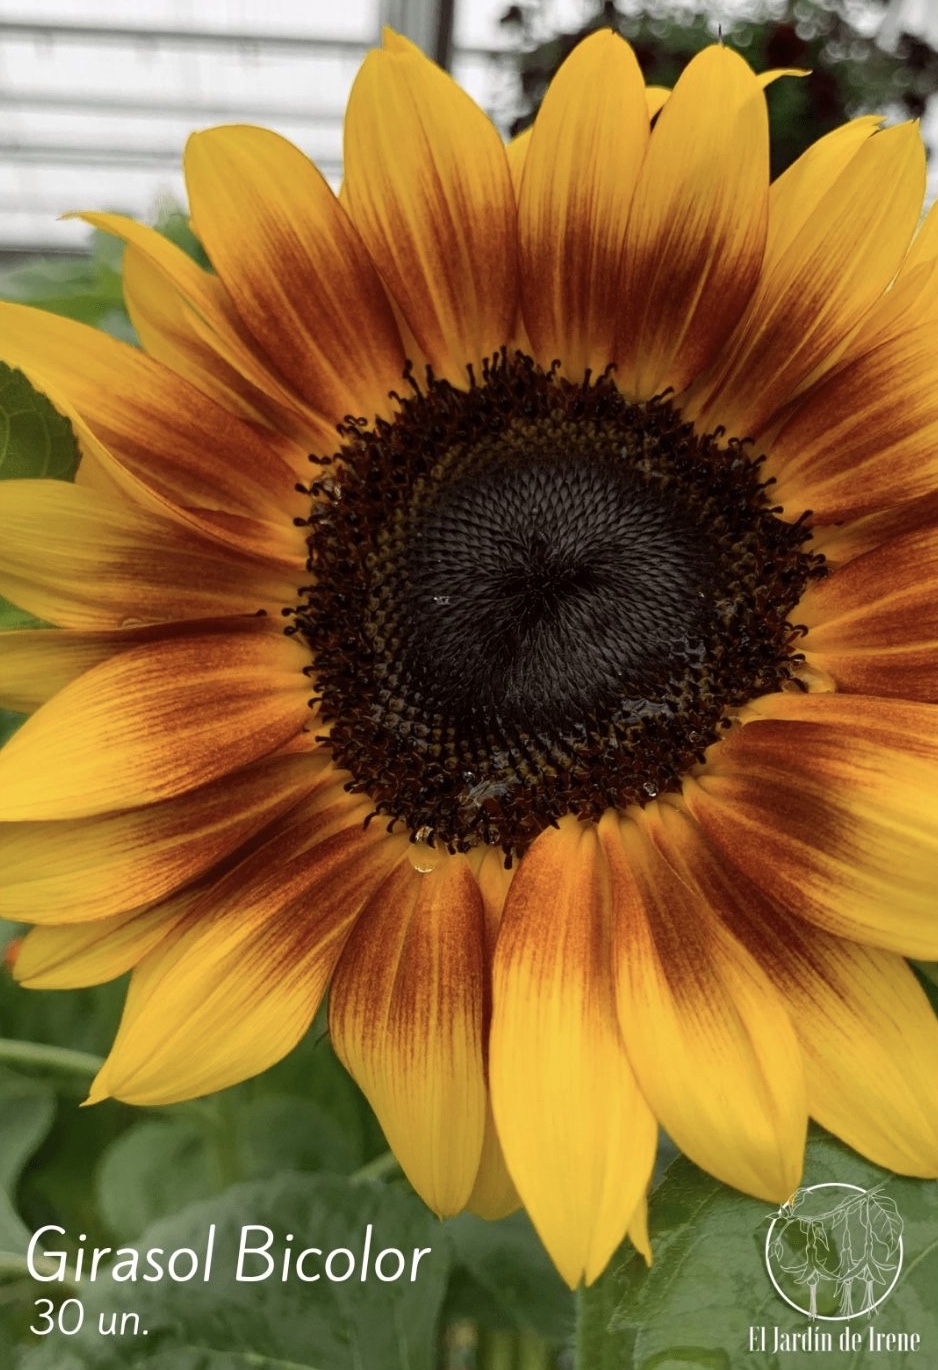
421, 855
815, 680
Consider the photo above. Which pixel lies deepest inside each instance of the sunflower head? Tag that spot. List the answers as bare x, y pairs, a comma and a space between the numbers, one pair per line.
504, 594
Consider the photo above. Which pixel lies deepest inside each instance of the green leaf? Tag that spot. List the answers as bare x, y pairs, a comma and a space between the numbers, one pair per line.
35, 440
13, 617
201, 1359
27, 1109
152, 1170
272, 1323
173, 223
86, 287
708, 1291
160, 1165
689, 1358
512, 1275
9, 723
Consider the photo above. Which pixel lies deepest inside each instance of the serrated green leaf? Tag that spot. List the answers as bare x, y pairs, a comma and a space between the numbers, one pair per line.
708, 1291
35, 440
320, 1325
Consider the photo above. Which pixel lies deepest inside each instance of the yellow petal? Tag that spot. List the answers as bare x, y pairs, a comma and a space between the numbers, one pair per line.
869, 1038
162, 320
154, 722
897, 724
697, 229
712, 1047
578, 1137
873, 624
82, 559
580, 170
236, 986
870, 1042
493, 1195
186, 319
405, 1014
866, 1034
38, 663
92, 953
800, 191
184, 445
865, 437
823, 271
427, 184
517, 152
841, 829
295, 268
94, 867
655, 97
912, 299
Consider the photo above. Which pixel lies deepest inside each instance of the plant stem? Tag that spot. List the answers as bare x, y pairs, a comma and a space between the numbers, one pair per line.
47, 1057
378, 1169
533, 1352
224, 1138
596, 1346
497, 1351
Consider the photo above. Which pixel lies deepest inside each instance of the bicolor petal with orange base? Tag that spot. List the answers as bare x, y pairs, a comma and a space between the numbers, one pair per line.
557, 1056
406, 1016
504, 593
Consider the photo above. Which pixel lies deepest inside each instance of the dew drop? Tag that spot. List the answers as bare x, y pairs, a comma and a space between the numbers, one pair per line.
421, 855
815, 680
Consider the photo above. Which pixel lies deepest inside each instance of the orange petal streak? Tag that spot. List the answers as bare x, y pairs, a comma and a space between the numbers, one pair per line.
697, 229
873, 624
578, 1137
405, 1014
178, 441
91, 868
297, 271
573, 209
238, 984
428, 186
154, 722
80, 558
833, 248
711, 1044
841, 829
866, 437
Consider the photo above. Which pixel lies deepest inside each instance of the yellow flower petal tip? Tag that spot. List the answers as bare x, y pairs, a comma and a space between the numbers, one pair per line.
570, 710
392, 41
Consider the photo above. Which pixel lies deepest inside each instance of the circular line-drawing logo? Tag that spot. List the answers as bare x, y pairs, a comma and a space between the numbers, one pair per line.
834, 1251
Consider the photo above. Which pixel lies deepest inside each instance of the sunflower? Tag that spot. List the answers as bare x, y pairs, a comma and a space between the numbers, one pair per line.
504, 593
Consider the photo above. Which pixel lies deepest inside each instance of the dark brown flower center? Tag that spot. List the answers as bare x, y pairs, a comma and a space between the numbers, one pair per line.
534, 598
